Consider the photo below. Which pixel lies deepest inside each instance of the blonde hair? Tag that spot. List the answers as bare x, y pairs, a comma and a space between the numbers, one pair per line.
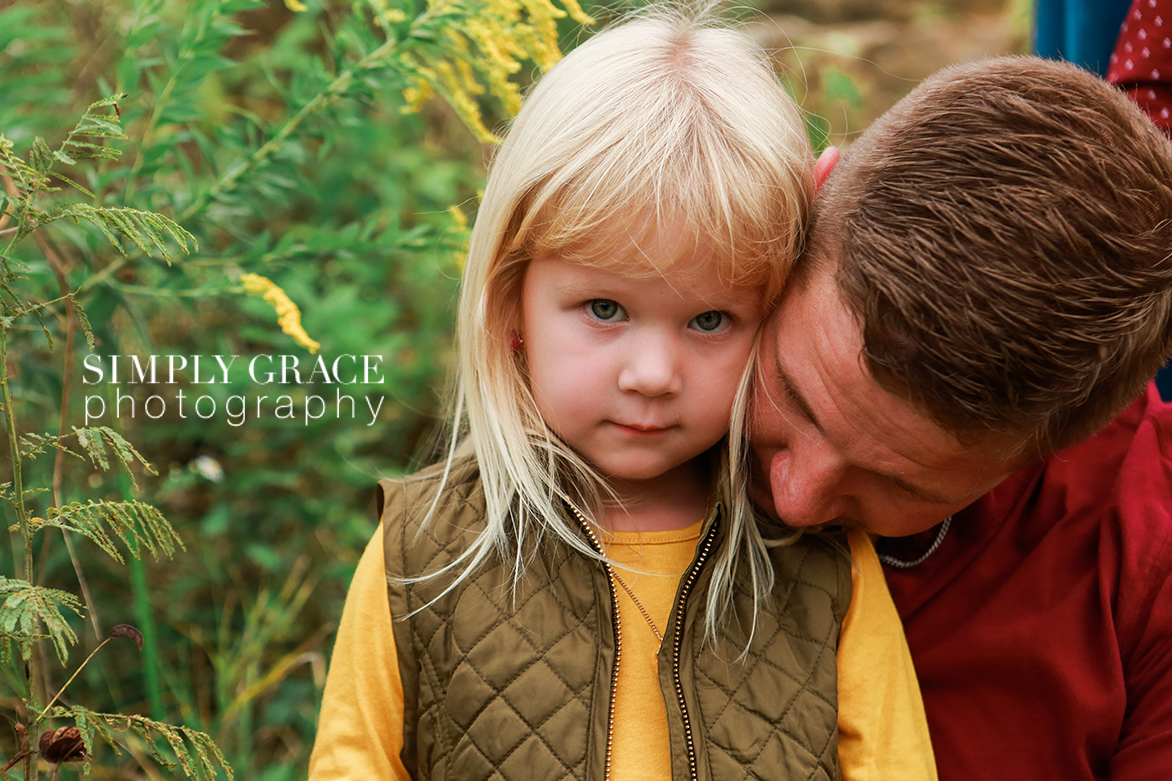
667, 116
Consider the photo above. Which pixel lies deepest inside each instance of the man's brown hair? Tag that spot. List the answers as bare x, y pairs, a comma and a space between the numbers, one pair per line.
1004, 235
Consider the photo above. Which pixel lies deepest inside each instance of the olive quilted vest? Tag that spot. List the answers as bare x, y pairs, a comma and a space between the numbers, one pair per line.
502, 684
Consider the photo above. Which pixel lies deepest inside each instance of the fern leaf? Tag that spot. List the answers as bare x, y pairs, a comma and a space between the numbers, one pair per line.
94, 445
40, 158
136, 524
27, 177
24, 607
6, 639
90, 725
94, 440
27, 494
93, 124
33, 445
86, 328
11, 263
146, 230
194, 751
83, 190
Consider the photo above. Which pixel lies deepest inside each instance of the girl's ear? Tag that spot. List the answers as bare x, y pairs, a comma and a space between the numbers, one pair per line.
824, 165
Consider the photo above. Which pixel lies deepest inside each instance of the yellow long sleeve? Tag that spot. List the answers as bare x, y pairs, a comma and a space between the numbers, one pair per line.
882, 729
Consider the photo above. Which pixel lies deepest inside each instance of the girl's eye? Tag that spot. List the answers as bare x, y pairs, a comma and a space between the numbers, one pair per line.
606, 310
710, 322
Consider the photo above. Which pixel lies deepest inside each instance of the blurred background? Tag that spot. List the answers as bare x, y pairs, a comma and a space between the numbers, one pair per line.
313, 152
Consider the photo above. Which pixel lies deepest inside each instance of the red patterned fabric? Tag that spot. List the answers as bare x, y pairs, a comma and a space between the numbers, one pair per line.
1142, 62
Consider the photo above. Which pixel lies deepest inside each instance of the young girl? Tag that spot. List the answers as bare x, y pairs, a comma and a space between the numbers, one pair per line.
581, 589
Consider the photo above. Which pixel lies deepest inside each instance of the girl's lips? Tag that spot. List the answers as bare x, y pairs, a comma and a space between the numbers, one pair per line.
640, 428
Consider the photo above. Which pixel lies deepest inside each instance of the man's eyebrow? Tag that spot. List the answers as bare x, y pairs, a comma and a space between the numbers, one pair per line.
794, 396
918, 492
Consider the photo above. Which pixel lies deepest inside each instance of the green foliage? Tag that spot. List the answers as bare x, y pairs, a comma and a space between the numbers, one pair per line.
194, 752
138, 525
298, 165
142, 228
25, 607
95, 440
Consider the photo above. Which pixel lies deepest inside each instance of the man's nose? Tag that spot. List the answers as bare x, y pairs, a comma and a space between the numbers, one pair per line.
807, 485
651, 366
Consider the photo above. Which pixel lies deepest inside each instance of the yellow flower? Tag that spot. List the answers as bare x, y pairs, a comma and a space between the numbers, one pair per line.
295, 5
483, 45
416, 95
576, 12
288, 315
503, 52
509, 10
457, 215
463, 103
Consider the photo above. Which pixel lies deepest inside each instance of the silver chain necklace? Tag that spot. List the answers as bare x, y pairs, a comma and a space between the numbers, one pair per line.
891, 561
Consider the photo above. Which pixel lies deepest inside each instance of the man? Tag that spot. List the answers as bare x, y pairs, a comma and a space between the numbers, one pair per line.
988, 282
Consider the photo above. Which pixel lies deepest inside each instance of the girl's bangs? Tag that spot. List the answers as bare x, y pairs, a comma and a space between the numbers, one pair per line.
721, 213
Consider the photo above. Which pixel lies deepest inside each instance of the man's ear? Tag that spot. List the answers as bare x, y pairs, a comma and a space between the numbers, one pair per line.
824, 165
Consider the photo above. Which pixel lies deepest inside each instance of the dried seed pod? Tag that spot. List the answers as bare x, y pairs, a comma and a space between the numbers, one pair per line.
126, 630
63, 745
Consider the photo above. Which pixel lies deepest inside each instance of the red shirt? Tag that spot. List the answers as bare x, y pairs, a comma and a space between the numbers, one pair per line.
1042, 627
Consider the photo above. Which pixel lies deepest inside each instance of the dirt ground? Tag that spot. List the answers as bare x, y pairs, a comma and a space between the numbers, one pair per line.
847, 61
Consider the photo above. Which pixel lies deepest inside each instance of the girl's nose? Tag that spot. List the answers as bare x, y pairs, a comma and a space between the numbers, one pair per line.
651, 368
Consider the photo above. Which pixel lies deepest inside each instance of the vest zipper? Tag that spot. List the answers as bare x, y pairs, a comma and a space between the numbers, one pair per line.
618, 636
681, 606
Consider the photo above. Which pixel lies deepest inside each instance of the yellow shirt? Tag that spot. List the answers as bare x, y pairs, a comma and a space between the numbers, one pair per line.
883, 733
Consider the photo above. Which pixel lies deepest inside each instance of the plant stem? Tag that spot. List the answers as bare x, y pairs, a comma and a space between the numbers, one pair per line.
25, 526
66, 686
67, 380
63, 419
157, 113
145, 622
336, 88
10, 186
32, 665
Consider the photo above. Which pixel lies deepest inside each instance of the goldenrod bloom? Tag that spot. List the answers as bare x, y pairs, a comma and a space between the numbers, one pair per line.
486, 44
288, 315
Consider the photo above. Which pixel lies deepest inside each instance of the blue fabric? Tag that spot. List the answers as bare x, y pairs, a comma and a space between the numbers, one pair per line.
1079, 31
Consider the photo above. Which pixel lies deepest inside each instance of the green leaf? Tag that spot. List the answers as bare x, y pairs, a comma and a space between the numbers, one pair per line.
93, 125
25, 175
194, 751
94, 441
25, 607
840, 86
86, 328
148, 230
40, 157
137, 524
33, 445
